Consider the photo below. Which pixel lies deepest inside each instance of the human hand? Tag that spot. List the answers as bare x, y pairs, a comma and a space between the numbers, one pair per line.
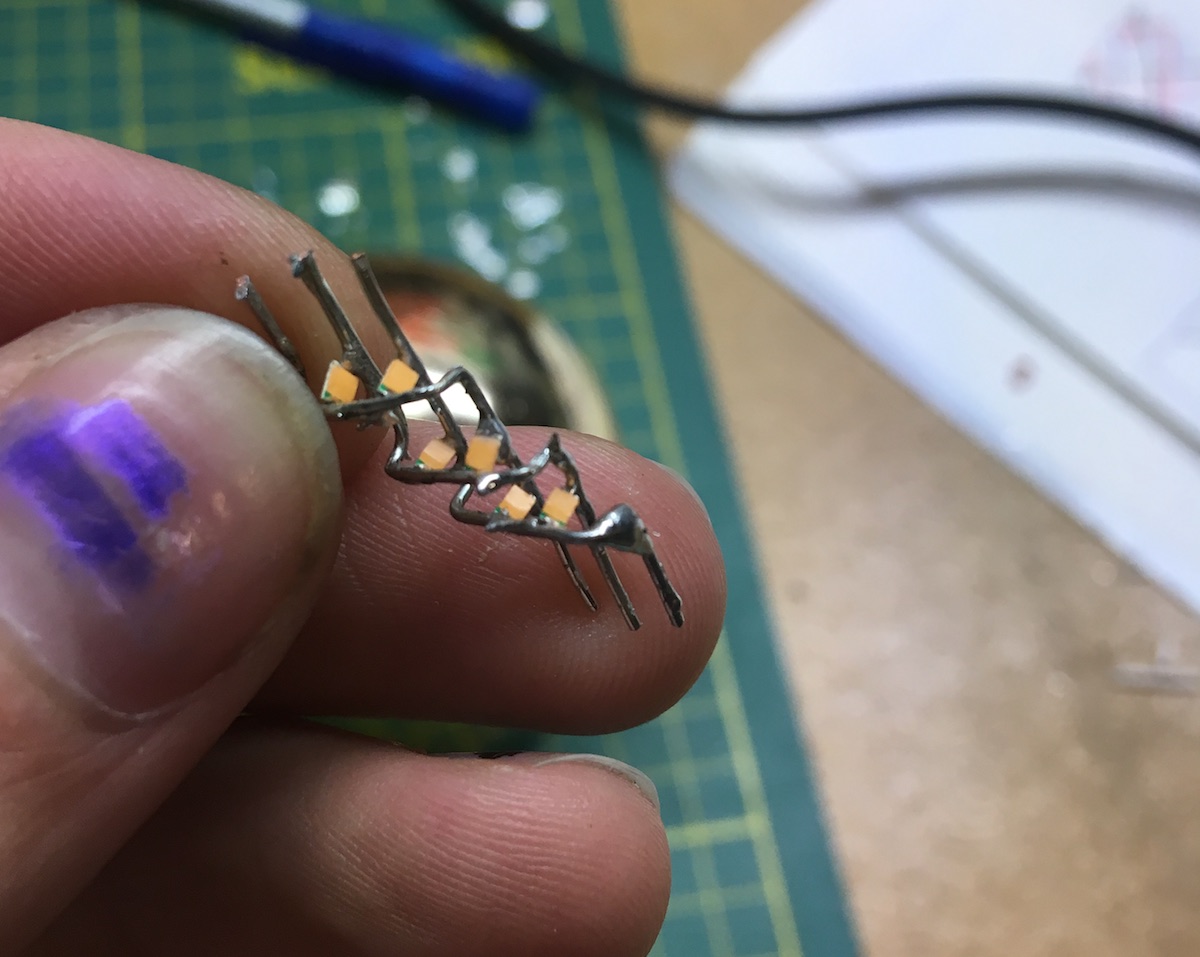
176, 547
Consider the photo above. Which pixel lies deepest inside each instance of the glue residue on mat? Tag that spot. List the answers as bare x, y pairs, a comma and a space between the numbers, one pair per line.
340, 204
338, 197
472, 239
527, 14
460, 164
537, 247
523, 284
531, 205
531, 228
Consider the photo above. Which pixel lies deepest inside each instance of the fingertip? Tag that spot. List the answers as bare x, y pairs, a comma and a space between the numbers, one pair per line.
295, 836
540, 855
434, 619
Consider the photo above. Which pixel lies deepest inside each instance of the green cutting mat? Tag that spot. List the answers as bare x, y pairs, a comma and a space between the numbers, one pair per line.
752, 870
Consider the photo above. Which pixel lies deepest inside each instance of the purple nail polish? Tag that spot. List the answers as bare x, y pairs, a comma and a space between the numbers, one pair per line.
76, 505
60, 460
118, 440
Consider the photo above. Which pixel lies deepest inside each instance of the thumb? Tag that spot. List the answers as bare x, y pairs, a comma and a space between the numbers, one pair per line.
169, 498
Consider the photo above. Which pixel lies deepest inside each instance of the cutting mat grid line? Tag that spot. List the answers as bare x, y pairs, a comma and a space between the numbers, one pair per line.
149, 80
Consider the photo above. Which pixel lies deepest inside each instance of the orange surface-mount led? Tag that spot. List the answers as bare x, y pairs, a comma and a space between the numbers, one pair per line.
398, 377
436, 455
516, 504
482, 452
341, 385
560, 506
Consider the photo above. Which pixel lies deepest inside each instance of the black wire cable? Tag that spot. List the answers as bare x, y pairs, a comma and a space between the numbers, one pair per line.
562, 65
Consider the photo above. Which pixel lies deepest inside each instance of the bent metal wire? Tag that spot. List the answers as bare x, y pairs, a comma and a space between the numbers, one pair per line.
484, 464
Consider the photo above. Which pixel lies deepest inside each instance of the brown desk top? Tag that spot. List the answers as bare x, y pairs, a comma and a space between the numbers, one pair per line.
950, 633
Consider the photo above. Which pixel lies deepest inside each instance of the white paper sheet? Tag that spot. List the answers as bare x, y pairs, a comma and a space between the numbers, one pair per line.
1036, 280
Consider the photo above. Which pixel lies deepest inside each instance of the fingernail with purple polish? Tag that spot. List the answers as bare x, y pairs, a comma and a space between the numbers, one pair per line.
74, 464
162, 483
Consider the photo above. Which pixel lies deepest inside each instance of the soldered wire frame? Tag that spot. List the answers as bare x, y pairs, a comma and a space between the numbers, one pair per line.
481, 465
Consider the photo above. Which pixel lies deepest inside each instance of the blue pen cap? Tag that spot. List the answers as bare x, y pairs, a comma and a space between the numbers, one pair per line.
378, 55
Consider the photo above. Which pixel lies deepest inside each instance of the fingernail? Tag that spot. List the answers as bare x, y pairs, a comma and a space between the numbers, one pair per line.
631, 774
166, 481
481, 755
540, 759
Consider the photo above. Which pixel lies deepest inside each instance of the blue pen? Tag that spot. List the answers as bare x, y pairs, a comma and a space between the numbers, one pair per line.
375, 54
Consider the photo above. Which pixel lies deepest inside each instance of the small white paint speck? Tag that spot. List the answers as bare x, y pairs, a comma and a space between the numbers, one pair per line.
537, 247
527, 14
473, 243
557, 237
460, 164
532, 250
531, 205
523, 284
338, 197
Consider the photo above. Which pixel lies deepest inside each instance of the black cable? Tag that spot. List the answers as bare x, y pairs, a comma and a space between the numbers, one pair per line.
558, 63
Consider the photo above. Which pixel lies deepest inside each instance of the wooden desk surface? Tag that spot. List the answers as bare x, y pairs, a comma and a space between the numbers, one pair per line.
950, 633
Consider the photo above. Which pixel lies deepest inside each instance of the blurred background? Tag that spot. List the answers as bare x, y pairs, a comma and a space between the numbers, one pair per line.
945, 717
